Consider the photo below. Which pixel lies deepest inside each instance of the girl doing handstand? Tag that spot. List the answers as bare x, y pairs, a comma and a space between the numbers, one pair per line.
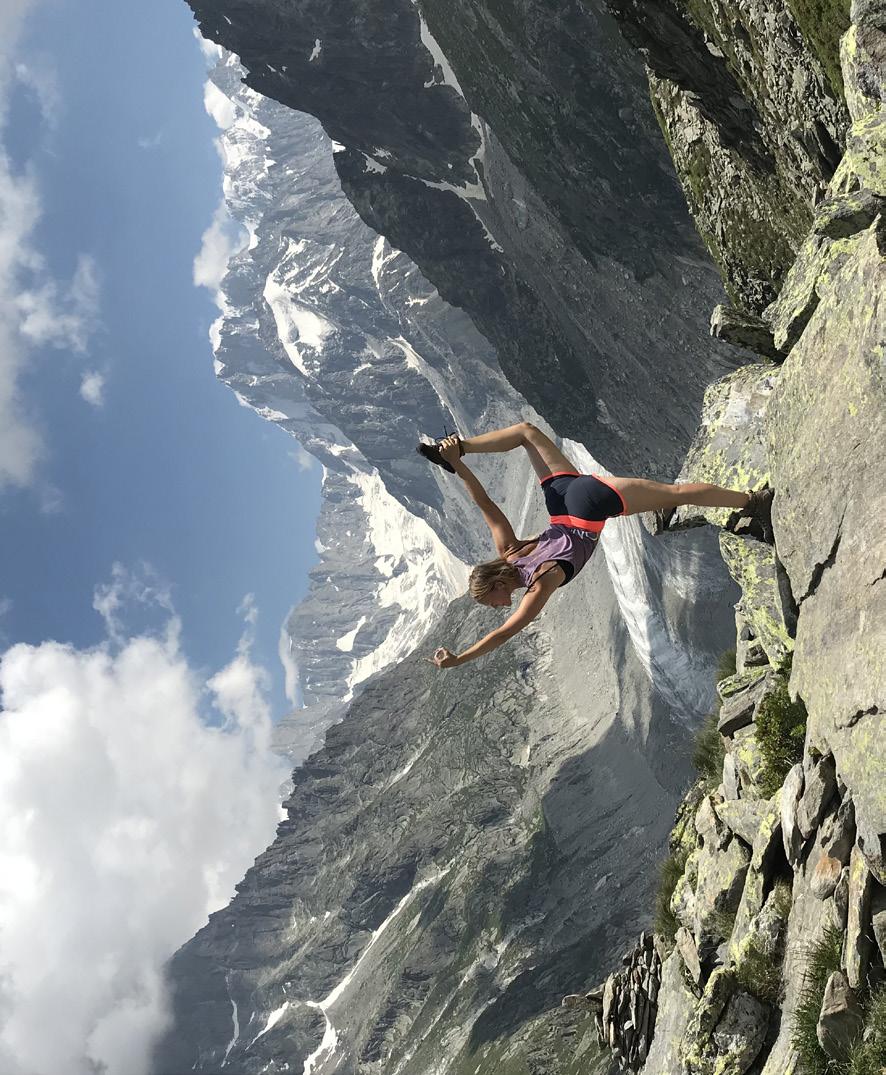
578, 506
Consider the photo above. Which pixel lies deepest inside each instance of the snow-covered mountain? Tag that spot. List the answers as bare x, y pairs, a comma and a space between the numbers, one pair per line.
328, 332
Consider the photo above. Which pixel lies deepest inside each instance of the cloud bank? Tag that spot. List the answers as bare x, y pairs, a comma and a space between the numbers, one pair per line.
36, 310
125, 819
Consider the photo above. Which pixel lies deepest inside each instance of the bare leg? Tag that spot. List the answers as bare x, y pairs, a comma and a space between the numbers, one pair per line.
639, 494
545, 456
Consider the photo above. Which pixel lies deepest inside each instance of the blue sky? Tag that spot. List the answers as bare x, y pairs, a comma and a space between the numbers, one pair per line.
168, 469
139, 505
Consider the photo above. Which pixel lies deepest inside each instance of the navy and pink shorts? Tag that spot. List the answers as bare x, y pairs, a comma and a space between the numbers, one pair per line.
581, 500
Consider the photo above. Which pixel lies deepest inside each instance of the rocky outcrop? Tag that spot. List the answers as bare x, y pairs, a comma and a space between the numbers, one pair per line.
754, 124
625, 1007
815, 433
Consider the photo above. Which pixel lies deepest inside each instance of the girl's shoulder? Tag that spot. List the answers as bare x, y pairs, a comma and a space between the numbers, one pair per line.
521, 550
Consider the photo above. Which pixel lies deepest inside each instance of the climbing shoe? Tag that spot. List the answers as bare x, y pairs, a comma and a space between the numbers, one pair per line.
433, 453
755, 518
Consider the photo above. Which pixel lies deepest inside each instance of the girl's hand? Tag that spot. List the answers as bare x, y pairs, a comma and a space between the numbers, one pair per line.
449, 450
443, 658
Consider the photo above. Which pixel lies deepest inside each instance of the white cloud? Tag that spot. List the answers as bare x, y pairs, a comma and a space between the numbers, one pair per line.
221, 240
150, 142
302, 458
219, 106
125, 819
61, 316
131, 592
290, 667
43, 83
212, 52
35, 309
248, 609
92, 388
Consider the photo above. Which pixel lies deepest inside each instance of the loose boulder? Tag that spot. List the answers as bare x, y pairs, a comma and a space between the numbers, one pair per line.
740, 1034
819, 788
825, 877
841, 1021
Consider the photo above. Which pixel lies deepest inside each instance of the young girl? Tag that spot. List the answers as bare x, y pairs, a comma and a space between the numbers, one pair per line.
578, 505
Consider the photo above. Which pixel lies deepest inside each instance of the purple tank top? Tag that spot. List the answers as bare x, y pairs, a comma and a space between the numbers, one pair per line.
567, 544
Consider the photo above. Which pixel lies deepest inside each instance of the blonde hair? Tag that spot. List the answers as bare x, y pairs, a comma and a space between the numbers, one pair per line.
484, 577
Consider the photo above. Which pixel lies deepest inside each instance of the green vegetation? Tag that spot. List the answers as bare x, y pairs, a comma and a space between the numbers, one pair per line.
666, 924
823, 957
726, 665
822, 23
780, 729
869, 1057
869, 1051
709, 752
759, 968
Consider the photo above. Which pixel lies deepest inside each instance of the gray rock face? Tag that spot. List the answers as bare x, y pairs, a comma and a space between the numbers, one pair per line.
721, 876
688, 950
724, 79
820, 786
738, 711
872, 845
791, 791
740, 1033
676, 1004
841, 1021
730, 777
835, 559
744, 330
743, 817
729, 447
840, 913
857, 947
840, 836
878, 919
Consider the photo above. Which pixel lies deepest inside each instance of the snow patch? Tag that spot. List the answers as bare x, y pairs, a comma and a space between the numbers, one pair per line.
297, 326
236, 1022
330, 1038
272, 1021
346, 642
315, 53
425, 576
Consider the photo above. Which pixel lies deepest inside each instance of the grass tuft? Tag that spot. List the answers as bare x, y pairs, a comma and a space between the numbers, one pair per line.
666, 924
780, 729
823, 957
709, 752
726, 665
869, 1057
759, 971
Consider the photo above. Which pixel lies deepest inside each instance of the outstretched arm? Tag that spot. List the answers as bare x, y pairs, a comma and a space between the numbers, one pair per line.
501, 530
534, 600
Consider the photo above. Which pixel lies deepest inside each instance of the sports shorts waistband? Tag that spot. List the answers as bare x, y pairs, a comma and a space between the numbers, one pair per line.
574, 521
560, 474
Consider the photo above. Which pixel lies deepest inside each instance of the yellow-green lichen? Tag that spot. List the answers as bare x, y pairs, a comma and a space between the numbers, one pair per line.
752, 564
864, 162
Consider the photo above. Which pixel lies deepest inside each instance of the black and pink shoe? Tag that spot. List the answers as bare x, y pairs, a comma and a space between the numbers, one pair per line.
432, 453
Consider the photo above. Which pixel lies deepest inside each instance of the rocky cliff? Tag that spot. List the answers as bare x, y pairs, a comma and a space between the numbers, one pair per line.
771, 906
464, 851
